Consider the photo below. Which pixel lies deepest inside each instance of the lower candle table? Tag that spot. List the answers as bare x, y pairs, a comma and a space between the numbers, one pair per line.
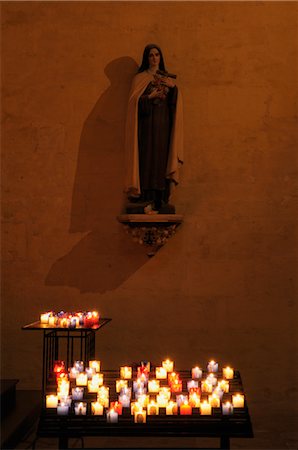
216, 425
79, 344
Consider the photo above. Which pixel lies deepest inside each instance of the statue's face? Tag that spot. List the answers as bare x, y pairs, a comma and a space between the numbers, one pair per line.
154, 58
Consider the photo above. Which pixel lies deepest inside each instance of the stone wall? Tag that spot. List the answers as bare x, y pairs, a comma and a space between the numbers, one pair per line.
224, 285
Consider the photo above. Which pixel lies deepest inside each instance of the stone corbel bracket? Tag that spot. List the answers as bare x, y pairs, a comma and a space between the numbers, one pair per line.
151, 230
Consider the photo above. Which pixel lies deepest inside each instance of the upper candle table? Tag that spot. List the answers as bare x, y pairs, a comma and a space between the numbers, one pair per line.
80, 345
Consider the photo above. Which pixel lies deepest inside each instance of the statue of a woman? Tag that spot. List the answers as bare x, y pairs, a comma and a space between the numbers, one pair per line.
154, 133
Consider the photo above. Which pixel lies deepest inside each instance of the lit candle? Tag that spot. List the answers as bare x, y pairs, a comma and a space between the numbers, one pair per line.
52, 321
171, 408
90, 372
112, 416
173, 376
125, 400
196, 373
97, 379
228, 373
152, 408
161, 373
96, 409
212, 379
77, 393
185, 409
165, 391
143, 400
238, 401
219, 392
95, 365
117, 406
92, 387
214, 400
180, 399
121, 384
194, 400
62, 409
153, 386
206, 386
63, 387
176, 386
168, 365
224, 385
125, 373
212, 366
140, 416
51, 401
44, 318
73, 373
82, 379
162, 400
79, 365
80, 409
192, 384
227, 408
205, 408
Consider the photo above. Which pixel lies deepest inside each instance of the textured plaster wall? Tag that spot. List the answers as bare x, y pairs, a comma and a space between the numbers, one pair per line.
225, 285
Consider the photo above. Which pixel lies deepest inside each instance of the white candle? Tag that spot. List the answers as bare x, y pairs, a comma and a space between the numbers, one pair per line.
180, 399
212, 366
96, 409
77, 393
90, 372
228, 373
196, 372
62, 409
97, 379
124, 400
161, 400
161, 373
227, 408
219, 392
112, 416
205, 408
51, 401
79, 365
153, 386
238, 401
165, 391
212, 379
192, 384
224, 385
80, 409
92, 387
73, 373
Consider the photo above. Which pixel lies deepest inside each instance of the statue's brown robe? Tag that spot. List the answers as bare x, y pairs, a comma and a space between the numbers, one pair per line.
175, 158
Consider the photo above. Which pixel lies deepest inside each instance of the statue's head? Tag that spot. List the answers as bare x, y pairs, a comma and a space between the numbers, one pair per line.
152, 52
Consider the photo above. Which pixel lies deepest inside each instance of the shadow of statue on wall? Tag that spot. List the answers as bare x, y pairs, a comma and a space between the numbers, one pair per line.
105, 257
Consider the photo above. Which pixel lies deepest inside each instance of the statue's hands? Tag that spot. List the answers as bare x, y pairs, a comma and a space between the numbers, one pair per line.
156, 93
167, 82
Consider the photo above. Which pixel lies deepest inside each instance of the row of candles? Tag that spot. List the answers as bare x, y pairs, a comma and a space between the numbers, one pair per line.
149, 395
63, 319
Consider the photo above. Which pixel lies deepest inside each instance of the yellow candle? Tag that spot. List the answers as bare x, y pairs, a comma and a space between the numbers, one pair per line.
92, 387
126, 372
206, 386
205, 408
152, 409
166, 392
161, 373
52, 321
224, 385
171, 408
194, 400
51, 401
238, 401
96, 409
140, 416
95, 365
228, 373
214, 401
44, 318
82, 379
153, 386
168, 365
120, 384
